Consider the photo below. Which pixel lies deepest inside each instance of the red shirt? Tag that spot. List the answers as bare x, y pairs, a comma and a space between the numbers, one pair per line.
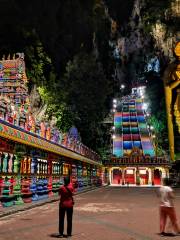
66, 196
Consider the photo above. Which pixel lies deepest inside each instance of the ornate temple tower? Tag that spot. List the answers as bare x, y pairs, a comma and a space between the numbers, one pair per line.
14, 99
13, 79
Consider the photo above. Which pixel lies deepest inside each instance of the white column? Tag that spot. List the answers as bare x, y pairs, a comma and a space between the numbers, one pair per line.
103, 175
150, 177
164, 174
110, 175
135, 175
167, 173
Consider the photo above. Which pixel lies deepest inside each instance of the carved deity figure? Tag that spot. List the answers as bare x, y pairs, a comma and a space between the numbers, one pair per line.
48, 133
31, 122
2, 109
43, 129
15, 114
65, 139
37, 127
9, 113
55, 135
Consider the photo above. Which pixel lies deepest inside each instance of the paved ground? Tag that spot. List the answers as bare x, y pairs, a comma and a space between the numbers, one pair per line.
105, 214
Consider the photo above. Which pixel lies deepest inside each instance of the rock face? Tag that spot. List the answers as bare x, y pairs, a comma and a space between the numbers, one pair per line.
131, 43
165, 37
145, 42
37, 106
150, 32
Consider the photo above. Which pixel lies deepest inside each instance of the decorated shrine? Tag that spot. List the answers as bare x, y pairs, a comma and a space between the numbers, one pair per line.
34, 156
134, 158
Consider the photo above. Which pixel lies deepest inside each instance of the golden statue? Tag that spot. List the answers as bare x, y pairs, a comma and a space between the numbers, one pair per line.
172, 96
177, 110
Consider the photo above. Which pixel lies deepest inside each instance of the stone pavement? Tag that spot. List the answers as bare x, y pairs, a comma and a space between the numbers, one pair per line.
109, 213
5, 211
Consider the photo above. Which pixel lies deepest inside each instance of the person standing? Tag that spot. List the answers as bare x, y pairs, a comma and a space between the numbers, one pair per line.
66, 206
167, 208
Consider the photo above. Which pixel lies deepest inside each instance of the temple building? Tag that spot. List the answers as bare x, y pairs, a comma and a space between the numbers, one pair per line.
34, 156
134, 158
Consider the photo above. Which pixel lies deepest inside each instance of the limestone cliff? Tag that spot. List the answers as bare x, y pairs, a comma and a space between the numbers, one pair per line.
38, 107
142, 47
151, 31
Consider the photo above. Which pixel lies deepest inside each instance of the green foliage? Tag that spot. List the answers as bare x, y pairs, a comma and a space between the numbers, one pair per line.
155, 98
104, 153
153, 10
45, 94
159, 11
57, 107
159, 129
177, 157
65, 117
39, 65
51, 33
87, 89
102, 27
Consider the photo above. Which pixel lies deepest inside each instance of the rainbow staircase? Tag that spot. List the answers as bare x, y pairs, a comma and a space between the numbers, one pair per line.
131, 129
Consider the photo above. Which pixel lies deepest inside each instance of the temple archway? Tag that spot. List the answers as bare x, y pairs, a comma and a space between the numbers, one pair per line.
144, 176
157, 177
117, 176
129, 176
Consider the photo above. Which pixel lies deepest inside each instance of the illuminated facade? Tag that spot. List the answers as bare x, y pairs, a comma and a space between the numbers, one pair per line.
33, 156
134, 158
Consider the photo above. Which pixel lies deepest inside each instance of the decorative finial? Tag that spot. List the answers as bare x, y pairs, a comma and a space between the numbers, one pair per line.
14, 56
9, 57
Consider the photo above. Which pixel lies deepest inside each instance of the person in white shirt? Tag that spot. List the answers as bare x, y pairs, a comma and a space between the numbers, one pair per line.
167, 207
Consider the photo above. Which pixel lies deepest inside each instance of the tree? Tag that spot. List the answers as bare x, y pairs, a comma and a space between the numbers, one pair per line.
156, 99
87, 88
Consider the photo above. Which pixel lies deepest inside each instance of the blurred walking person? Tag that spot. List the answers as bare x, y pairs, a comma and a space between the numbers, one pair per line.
167, 208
